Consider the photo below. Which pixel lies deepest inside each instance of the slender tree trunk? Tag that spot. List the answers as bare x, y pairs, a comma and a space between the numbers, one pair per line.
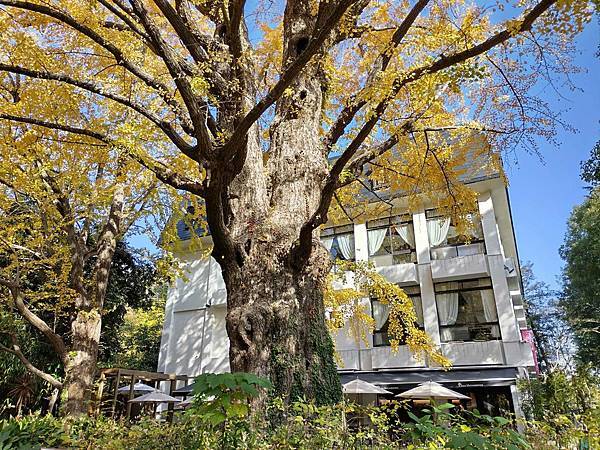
53, 400
80, 363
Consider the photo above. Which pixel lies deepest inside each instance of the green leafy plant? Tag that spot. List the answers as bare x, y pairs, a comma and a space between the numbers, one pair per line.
219, 397
31, 432
301, 425
438, 427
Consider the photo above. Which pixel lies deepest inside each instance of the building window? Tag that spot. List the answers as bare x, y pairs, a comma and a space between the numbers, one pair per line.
391, 240
381, 313
340, 242
467, 310
446, 243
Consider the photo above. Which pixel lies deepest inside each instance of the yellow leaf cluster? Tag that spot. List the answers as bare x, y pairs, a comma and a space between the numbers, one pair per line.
347, 307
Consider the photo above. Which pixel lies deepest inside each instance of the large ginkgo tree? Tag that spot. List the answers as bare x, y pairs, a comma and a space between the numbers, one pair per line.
271, 113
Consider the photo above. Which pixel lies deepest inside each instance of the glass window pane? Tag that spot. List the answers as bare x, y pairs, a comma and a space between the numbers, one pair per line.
474, 307
343, 247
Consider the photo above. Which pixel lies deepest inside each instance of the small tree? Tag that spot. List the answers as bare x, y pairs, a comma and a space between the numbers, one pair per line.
129, 287
552, 333
62, 213
581, 277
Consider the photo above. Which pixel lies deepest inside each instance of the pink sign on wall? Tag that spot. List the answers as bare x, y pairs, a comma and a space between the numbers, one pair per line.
527, 336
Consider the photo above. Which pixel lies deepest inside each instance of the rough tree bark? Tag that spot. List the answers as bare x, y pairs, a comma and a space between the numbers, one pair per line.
276, 320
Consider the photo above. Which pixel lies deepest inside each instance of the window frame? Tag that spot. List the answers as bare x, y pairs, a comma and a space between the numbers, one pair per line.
334, 232
432, 213
459, 290
411, 252
384, 330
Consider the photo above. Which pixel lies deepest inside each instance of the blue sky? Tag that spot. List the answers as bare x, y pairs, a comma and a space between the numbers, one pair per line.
544, 193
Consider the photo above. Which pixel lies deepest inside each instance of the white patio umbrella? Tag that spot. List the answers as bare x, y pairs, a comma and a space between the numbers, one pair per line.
185, 390
359, 386
137, 388
368, 392
432, 390
155, 397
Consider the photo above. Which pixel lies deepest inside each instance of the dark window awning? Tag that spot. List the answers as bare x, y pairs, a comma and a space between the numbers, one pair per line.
452, 378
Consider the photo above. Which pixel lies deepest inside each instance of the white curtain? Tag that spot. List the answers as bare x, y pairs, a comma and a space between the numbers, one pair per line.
437, 229
489, 305
327, 243
346, 245
376, 238
418, 305
407, 233
381, 312
447, 306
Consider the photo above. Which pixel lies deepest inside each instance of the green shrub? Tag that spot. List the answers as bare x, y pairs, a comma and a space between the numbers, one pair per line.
31, 432
438, 428
225, 396
221, 418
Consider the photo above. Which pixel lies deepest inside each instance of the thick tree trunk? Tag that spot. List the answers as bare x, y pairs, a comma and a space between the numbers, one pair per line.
276, 326
276, 320
80, 363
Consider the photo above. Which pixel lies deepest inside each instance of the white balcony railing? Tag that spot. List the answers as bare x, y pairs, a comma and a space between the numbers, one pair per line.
474, 353
472, 266
455, 251
385, 358
400, 273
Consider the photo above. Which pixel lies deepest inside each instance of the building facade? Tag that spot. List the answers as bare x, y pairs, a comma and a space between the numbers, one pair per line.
466, 293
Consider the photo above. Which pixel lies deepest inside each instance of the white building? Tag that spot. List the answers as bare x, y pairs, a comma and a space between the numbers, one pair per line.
467, 297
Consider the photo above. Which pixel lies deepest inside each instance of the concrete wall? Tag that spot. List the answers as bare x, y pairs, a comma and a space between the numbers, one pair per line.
194, 337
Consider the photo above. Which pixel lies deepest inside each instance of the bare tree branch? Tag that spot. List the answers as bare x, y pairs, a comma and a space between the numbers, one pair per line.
174, 65
55, 340
127, 20
15, 349
167, 175
236, 14
56, 126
